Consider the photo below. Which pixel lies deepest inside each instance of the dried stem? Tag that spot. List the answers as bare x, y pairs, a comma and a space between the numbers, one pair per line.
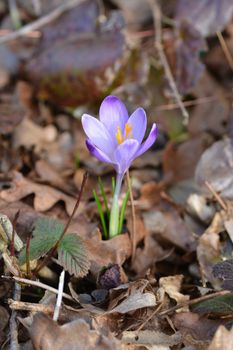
133, 233
37, 284
53, 250
225, 49
193, 301
14, 345
67, 5
158, 44
21, 305
59, 296
216, 195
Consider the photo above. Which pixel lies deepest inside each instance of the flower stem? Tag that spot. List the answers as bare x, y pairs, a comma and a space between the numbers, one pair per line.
115, 212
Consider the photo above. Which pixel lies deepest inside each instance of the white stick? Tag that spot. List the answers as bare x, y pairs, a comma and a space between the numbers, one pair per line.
59, 296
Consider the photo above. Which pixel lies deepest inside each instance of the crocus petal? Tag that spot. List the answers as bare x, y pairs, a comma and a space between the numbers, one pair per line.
97, 133
98, 153
149, 141
137, 121
113, 114
125, 154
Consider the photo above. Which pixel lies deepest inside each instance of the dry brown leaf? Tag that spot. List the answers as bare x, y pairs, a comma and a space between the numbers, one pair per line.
209, 249
136, 300
215, 166
223, 339
172, 286
102, 253
36, 135
77, 335
147, 256
212, 116
45, 196
168, 225
11, 114
199, 327
48, 174
179, 160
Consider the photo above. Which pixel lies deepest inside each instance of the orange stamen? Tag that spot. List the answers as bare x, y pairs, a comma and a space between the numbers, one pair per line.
128, 131
119, 136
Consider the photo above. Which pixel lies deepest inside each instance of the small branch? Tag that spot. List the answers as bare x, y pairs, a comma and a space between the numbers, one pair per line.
225, 49
53, 250
193, 301
38, 284
21, 305
216, 195
68, 5
59, 296
198, 101
156, 11
14, 345
133, 233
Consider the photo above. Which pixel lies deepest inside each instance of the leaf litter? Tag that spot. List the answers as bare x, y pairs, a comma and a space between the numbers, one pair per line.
176, 290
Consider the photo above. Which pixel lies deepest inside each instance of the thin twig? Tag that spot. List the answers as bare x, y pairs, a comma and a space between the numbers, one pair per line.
53, 250
59, 296
133, 233
225, 49
39, 285
193, 301
216, 195
156, 11
33, 307
150, 317
14, 344
68, 5
198, 101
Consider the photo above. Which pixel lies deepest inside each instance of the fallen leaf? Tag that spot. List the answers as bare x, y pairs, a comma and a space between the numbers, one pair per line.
223, 339
45, 196
77, 335
207, 16
200, 328
172, 286
215, 166
166, 224
179, 160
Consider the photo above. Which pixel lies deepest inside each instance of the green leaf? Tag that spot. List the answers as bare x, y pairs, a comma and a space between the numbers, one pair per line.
102, 190
219, 305
101, 214
45, 234
73, 255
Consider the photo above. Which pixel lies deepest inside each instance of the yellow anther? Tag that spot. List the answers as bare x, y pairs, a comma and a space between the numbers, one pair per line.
119, 136
128, 131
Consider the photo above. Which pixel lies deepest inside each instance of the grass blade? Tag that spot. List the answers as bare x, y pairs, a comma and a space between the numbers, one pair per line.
101, 214
101, 186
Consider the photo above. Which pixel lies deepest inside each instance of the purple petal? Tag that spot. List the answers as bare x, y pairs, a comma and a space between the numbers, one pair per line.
125, 154
98, 153
138, 122
149, 141
97, 133
113, 114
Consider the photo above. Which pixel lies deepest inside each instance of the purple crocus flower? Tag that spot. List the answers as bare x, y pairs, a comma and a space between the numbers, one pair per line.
117, 138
